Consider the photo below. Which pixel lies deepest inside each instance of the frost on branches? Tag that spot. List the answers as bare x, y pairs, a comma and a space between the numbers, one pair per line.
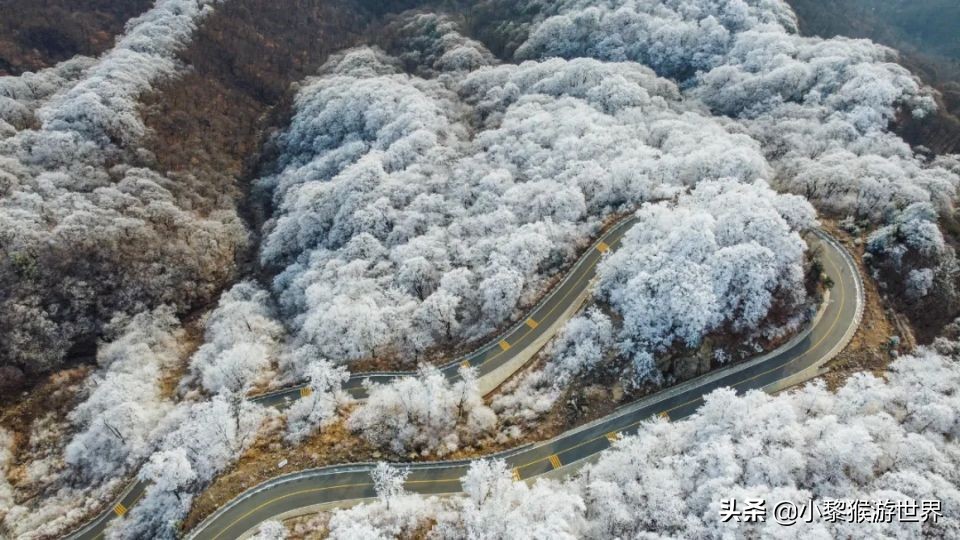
820, 108
203, 435
326, 399
125, 400
241, 342
77, 463
719, 258
494, 507
127, 420
423, 195
88, 230
411, 212
727, 256
872, 439
582, 348
911, 259
427, 414
196, 442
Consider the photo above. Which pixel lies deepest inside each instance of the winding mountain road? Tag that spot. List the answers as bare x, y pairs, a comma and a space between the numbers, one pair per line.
794, 362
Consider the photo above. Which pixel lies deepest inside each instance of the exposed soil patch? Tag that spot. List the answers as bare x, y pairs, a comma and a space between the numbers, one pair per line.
870, 349
313, 527
50, 399
336, 445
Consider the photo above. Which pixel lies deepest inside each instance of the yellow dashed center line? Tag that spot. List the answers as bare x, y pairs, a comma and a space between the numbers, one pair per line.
554, 459
699, 398
321, 489
120, 509
504, 346
551, 310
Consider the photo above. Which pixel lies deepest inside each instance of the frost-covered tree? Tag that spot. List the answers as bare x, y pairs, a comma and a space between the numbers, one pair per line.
102, 106
212, 432
196, 441
919, 283
171, 483
427, 414
396, 513
422, 196
874, 439
721, 257
320, 408
241, 341
21, 96
523, 400
388, 481
88, 230
820, 107
582, 344
912, 260
125, 399
411, 211
676, 38
166, 500
433, 45
496, 506
169, 470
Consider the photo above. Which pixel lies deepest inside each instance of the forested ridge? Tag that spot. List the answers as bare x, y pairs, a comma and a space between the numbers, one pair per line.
202, 199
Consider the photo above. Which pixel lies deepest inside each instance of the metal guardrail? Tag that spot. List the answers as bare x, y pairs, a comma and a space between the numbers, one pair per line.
489, 344
620, 412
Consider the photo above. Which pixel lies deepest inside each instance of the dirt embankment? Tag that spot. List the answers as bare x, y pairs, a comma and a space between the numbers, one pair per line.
871, 349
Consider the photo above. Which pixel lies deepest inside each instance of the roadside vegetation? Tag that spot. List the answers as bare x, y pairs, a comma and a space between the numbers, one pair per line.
871, 439
315, 214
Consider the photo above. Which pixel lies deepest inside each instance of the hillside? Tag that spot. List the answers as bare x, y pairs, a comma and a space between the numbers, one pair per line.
205, 200
925, 34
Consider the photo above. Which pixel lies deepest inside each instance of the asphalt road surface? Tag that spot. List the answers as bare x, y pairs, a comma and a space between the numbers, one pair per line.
795, 361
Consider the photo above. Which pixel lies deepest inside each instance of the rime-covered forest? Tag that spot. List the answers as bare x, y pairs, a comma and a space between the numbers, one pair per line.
203, 200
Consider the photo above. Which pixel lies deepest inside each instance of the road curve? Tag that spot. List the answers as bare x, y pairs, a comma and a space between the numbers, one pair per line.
518, 342
495, 360
832, 330
798, 360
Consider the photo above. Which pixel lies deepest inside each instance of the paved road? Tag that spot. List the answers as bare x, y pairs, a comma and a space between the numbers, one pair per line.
495, 361
519, 342
799, 359
831, 332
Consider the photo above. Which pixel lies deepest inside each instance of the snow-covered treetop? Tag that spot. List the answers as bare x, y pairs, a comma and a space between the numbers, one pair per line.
717, 257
